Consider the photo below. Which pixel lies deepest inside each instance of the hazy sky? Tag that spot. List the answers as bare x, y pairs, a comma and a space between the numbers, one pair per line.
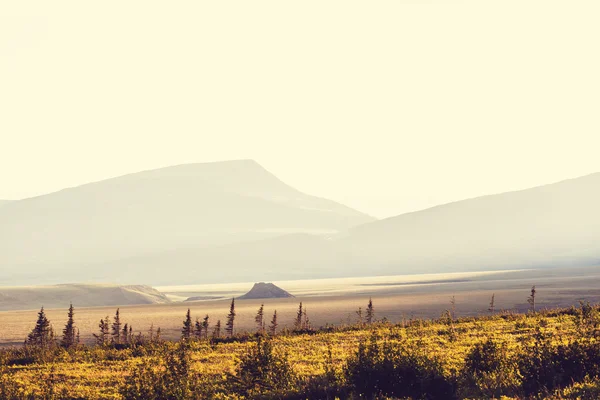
386, 106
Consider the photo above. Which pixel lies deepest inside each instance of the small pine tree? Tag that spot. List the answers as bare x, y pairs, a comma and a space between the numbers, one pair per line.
217, 331
102, 337
359, 314
68, 339
116, 328
492, 304
230, 319
42, 333
205, 325
198, 329
531, 298
125, 334
151, 333
298, 321
77, 338
157, 337
259, 319
306, 321
453, 307
370, 317
273, 326
186, 331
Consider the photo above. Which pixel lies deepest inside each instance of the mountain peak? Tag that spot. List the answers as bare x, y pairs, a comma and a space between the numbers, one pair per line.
262, 290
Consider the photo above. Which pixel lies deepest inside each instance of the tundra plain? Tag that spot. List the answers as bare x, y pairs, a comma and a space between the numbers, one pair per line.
333, 301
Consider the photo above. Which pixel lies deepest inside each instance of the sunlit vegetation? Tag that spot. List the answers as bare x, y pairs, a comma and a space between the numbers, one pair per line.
545, 354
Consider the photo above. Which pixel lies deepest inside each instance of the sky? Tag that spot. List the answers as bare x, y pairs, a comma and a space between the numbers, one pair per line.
388, 106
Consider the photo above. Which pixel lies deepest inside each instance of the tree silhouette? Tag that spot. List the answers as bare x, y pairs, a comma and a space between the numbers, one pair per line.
186, 331
298, 321
116, 328
69, 334
102, 337
230, 319
531, 298
370, 317
41, 335
492, 304
217, 330
259, 319
205, 326
273, 326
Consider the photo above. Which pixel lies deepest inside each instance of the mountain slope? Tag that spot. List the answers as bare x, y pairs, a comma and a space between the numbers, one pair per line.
3, 202
60, 296
193, 205
552, 225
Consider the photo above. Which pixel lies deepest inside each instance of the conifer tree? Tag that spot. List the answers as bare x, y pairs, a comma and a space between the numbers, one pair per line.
492, 304
370, 317
102, 337
157, 337
41, 335
130, 337
186, 331
359, 313
273, 327
69, 339
205, 326
217, 330
116, 328
531, 299
125, 334
259, 319
151, 333
230, 319
198, 329
77, 338
298, 321
306, 322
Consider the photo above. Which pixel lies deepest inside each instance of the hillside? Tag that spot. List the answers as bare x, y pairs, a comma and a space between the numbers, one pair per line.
186, 206
547, 226
60, 296
4, 202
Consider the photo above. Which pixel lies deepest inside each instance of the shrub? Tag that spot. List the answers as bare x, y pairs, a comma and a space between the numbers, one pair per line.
490, 371
397, 370
262, 370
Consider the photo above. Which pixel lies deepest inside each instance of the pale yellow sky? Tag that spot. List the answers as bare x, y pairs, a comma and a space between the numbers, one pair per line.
385, 106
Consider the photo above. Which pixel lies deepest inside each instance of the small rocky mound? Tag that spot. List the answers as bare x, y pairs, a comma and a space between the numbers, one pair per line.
264, 290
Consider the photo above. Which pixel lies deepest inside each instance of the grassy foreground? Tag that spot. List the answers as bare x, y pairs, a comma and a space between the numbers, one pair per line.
551, 354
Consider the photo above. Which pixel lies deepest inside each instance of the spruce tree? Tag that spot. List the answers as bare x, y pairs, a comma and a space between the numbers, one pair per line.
370, 317
531, 298
205, 326
217, 330
259, 319
102, 337
273, 326
492, 304
298, 321
306, 322
41, 335
186, 331
68, 339
125, 334
230, 319
116, 328
198, 330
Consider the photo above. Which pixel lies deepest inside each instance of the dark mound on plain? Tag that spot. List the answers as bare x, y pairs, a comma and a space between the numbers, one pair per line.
264, 290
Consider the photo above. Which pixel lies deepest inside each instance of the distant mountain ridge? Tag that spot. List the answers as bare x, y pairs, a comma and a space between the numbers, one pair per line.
546, 226
83, 295
145, 213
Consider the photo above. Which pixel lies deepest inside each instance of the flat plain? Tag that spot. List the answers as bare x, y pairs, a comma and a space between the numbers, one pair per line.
335, 301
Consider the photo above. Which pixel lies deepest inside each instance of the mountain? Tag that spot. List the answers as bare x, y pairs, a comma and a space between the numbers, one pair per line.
3, 202
185, 206
60, 296
552, 225
262, 290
